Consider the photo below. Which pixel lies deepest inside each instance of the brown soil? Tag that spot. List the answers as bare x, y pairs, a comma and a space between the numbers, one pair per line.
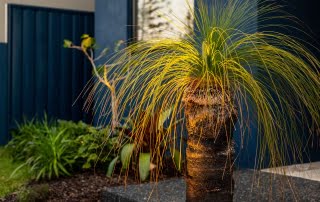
80, 187
86, 186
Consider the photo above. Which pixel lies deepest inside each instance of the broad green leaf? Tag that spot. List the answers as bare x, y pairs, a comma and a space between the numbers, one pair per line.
87, 165
112, 166
177, 159
144, 166
83, 36
92, 157
67, 43
82, 149
125, 155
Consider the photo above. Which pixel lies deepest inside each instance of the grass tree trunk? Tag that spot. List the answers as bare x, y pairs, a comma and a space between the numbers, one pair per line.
210, 123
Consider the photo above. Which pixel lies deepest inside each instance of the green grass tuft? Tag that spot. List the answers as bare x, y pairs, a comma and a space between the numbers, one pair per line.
7, 184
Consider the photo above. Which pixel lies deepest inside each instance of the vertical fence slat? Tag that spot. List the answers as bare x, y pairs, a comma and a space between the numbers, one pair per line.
81, 62
16, 67
65, 68
76, 70
41, 65
87, 74
54, 45
86, 63
28, 65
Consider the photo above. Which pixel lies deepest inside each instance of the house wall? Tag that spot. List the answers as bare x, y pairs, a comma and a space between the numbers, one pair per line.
112, 21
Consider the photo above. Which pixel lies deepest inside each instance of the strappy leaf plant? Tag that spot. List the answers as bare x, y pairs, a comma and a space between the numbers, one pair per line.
154, 130
222, 69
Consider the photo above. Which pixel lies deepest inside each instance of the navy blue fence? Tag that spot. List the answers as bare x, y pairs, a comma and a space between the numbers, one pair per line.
41, 76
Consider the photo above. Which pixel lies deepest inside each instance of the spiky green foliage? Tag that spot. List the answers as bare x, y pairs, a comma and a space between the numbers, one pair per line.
272, 73
57, 148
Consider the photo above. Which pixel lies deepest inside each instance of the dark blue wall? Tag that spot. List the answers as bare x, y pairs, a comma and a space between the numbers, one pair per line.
113, 19
308, 13
113, 23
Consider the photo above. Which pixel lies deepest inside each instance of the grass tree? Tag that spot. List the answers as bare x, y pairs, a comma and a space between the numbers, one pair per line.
210, 79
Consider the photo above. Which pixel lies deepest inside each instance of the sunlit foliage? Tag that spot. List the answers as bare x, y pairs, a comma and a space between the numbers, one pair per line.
270, 73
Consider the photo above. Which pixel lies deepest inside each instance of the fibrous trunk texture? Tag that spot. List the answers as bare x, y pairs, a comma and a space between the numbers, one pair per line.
210, 118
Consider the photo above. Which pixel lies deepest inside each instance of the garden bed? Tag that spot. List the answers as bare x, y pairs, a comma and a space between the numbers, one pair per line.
86, 186
80, 187
250, 186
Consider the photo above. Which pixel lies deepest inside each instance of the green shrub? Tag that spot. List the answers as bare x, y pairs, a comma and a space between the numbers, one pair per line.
52, 149
49, 153
94, 147
22, 144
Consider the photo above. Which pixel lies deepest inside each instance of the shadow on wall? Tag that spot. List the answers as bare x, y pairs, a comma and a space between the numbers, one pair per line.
308, 14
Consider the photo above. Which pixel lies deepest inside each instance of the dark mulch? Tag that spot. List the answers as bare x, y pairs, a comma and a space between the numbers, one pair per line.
82, 187
87, 186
